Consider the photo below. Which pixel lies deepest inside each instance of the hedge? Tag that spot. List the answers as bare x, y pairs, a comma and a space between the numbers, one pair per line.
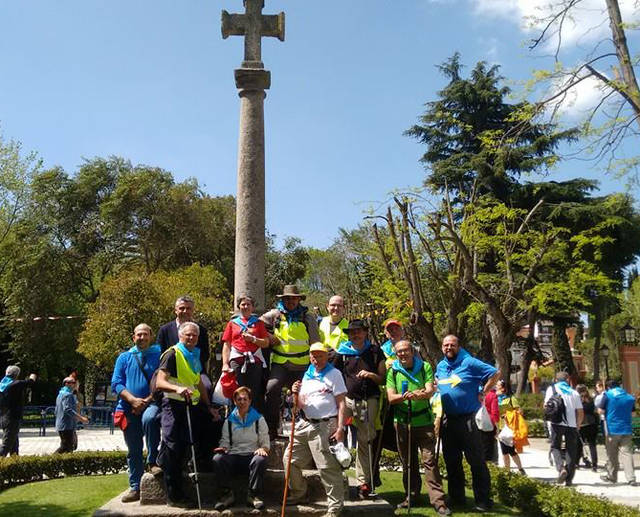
537, 499
17, 470
532, 497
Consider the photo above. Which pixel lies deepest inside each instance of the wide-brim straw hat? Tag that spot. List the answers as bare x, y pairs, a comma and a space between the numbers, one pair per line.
291, 290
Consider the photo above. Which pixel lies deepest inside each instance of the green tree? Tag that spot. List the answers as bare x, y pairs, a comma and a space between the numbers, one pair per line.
135, 296
283, 266
609, 62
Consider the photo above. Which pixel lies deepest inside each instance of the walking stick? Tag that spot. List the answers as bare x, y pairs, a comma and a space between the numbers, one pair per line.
405, 388
288, 471
193, 454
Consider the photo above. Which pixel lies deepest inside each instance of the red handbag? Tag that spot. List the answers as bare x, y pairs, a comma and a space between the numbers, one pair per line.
229, 384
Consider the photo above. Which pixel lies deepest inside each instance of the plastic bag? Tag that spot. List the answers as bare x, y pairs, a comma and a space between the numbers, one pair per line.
342, 454
483, 420
218, 396
506, 436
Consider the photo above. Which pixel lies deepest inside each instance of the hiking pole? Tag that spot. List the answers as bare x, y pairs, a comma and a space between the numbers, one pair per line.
372, 492
405, 388
288, 471
193, 454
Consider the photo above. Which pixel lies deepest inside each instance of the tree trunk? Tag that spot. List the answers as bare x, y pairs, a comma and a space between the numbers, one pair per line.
486, 343
529, 355
596, 330
562, 348
428, 339
502, 339
630, 91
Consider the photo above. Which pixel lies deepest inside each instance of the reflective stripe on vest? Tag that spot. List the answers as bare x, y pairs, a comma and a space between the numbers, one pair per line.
338, 336
186, 378
294, 343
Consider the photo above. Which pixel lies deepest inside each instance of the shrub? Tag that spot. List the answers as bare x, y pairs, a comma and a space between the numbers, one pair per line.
537, 499
16, 470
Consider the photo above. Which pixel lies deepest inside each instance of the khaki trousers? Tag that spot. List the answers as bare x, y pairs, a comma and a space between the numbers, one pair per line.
425, 439
311, 445
364, 416
620, 443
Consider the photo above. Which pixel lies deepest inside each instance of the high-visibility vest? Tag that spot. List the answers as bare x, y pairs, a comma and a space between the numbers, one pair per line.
186, 377
294, 343
337, 337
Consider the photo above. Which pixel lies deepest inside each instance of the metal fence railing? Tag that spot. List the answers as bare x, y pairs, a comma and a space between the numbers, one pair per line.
100, 417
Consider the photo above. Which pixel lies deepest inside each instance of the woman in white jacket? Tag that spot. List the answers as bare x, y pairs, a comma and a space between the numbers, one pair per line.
244, 448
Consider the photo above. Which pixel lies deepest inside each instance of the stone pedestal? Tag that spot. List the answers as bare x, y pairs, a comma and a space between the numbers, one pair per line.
153, 497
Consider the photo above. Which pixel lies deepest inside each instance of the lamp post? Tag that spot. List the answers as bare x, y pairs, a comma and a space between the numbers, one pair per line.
604, 352
628, 335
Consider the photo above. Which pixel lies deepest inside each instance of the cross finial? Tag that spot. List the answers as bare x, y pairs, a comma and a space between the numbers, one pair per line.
253, 25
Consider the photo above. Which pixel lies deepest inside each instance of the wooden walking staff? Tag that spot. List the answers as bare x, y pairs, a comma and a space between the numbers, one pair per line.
294, 410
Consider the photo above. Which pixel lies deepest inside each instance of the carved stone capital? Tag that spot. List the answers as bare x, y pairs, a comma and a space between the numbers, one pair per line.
252, 79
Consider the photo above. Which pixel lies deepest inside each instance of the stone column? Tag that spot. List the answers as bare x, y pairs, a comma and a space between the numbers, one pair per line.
250, 198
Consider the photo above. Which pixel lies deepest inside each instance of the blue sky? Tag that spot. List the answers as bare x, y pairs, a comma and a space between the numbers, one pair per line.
152, 81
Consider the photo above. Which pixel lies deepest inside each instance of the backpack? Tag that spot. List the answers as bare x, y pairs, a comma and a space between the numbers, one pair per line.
554, 408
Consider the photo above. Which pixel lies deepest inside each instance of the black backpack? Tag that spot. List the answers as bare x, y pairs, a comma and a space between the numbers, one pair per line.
554, 408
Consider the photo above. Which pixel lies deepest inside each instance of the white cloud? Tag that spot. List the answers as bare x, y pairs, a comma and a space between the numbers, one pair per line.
587, 22
582, 98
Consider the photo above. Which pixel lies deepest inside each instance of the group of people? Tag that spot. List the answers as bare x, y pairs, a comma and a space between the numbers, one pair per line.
337, 377
577, 421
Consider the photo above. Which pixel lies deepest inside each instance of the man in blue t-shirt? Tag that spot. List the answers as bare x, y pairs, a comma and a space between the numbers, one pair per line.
617, 406
460, 377
137, 414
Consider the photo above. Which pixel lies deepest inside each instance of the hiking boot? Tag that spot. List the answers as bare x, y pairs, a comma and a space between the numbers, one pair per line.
225, 501
131, 495
607, 479
562, 477
363, 491
403, 505
632, 483
522, 471
154, 470
255, 501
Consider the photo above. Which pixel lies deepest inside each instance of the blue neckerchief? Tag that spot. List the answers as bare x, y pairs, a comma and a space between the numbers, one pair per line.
253, 319
452, 364
251, 417
501, 397
564, 387
418, 363
387, 348
4, 383
193, 358
65, 389
312, 373
296, 314
615, 392
152, 349
348, 348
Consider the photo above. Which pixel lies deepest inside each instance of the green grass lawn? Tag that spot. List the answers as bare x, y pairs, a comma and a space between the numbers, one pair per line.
81, 496
392, 491
65, 497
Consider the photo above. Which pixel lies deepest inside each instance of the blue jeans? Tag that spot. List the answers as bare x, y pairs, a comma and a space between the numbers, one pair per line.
147, 425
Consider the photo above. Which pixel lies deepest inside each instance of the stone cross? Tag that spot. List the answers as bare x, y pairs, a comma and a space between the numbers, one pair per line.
253, 25
251, 80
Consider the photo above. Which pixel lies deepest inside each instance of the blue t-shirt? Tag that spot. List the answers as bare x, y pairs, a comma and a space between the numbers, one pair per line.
618, 405
459, 381
128, 375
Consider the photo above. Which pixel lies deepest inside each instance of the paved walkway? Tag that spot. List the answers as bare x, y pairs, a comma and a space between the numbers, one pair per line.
535, 460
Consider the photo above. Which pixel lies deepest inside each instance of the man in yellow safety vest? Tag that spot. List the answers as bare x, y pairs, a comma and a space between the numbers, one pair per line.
294, 328
332, 327
179, 378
